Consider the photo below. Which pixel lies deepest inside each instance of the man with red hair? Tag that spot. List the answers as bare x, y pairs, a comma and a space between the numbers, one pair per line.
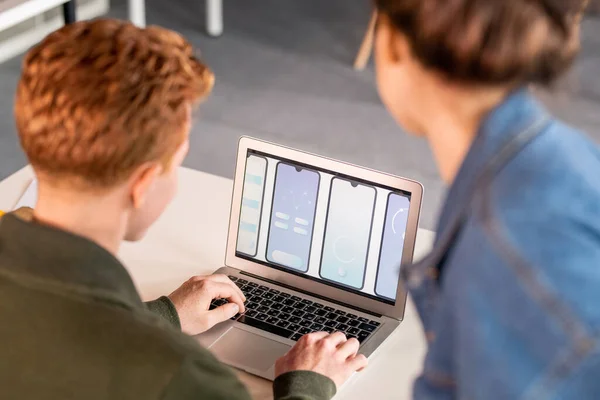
103, 111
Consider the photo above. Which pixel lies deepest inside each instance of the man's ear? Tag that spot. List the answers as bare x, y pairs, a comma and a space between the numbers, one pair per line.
391, 43
141, 182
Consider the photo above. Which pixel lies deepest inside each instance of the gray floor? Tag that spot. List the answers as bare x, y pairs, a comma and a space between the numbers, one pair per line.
284, 74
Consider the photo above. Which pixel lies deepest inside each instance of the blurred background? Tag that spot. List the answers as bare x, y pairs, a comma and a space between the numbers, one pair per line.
285, 73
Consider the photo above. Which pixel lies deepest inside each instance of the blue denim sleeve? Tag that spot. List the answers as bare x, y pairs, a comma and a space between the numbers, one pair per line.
584, 380
495, 332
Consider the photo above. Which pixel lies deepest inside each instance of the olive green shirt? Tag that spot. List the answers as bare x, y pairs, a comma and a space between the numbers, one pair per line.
72, 326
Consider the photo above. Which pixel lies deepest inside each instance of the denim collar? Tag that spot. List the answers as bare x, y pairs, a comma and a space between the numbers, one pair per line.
504, 131
51, 259
518, 111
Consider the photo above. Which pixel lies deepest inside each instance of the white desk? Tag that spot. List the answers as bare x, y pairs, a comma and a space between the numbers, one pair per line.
15, 12
189, 239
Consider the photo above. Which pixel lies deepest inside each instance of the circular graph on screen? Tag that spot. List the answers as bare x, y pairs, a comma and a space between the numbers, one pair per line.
400, 211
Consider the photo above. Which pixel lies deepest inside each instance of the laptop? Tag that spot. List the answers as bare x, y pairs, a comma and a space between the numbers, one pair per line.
315, 244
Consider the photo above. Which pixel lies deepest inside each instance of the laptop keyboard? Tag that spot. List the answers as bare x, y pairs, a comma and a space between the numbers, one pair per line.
292, 317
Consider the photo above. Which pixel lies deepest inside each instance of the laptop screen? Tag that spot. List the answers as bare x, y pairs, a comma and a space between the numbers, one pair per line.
322, 225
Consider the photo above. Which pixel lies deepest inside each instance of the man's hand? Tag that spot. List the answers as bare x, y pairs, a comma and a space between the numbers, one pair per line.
192, 301
329, 355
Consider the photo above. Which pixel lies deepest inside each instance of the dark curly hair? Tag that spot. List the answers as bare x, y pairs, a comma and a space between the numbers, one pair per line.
490, 41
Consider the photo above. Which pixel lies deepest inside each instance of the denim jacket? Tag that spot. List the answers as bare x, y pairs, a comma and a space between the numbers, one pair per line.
510, 295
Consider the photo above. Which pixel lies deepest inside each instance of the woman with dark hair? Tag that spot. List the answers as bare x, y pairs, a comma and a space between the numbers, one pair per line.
509, 297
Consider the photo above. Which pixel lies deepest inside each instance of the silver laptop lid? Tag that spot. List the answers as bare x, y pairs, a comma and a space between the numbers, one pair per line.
323, 226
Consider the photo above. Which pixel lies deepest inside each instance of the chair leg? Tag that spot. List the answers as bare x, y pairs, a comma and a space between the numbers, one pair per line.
214, 17
366, 47
137, 12
69, 12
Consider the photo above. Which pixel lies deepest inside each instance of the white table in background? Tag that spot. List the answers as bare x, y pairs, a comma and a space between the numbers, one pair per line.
190, 238
13, 12
16, 12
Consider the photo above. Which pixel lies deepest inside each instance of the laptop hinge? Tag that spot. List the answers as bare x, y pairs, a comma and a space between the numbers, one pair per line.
362, 310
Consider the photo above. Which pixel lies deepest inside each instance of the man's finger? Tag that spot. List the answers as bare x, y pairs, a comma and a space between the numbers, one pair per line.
225, 279
218, 290
358, 362
349, 348
314, 337
222, 313
336, 338
220, 278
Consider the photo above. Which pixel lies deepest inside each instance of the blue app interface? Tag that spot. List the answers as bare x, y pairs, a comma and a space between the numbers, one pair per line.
347, 233
292, 216
392, 245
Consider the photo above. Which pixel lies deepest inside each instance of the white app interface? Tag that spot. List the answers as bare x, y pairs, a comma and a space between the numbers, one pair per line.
321, 225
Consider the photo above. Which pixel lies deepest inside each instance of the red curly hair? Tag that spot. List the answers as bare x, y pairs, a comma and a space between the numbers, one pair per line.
97, 99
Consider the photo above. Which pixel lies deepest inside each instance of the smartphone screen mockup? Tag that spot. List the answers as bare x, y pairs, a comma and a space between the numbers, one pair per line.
252, 199
292, 216
347, 233
392, 245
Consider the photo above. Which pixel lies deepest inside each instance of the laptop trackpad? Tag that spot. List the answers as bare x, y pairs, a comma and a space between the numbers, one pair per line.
247, 350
